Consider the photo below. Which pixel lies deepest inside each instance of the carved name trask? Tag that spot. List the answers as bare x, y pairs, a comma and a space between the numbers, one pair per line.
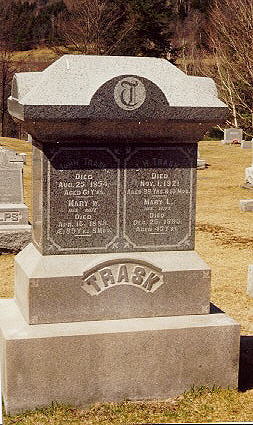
108, 275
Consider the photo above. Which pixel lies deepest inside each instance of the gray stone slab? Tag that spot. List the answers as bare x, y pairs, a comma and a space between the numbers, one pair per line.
53, 289
14, 238
15, 232
121, 359
114, 199
246, 205
233, 135
11, 184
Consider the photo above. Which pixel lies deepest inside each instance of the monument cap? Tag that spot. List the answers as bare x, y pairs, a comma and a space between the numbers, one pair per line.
80, 87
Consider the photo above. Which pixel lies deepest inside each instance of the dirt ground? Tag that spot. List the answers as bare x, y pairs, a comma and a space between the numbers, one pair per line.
224, 234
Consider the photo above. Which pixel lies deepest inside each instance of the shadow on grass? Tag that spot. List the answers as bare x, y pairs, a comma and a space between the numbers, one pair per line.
246, 364
245, 380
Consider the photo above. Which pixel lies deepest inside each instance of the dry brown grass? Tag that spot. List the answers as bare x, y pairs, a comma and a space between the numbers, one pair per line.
224, 234
39, 54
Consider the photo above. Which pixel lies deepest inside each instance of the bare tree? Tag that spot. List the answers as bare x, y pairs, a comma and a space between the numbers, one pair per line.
7, 70
92, 27
230, 58
8, 66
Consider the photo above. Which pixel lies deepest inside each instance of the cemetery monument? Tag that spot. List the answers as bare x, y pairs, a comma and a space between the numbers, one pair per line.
15, 231
111, 300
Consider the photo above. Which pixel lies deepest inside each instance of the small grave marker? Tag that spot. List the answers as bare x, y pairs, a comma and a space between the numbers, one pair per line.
15, 232
233, 135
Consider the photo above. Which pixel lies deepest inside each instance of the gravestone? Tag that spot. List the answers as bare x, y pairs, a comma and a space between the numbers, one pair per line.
111, 300
246, 205
249, 176
15, 232
232, 135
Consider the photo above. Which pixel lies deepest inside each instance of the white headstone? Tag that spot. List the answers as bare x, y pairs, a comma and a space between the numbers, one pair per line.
233, 135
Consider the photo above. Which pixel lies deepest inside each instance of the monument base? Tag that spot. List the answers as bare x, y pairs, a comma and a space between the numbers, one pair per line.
87, 362
79, 287
13, 238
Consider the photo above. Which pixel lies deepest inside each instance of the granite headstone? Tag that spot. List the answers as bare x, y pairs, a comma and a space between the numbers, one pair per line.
15, 232
111, 280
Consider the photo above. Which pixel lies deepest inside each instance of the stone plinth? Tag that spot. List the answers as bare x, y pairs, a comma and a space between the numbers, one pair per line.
111, 300
133, 359
53, 289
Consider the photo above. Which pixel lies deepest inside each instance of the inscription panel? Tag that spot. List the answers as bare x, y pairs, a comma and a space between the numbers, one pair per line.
83, 199
116, 198
159, 197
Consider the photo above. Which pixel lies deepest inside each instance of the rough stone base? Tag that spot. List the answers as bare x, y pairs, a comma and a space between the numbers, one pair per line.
14, 238
246, 205
53, 289
87, 362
